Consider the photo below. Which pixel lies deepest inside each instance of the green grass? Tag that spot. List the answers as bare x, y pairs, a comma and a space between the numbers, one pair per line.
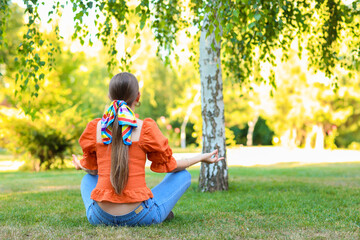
284, 201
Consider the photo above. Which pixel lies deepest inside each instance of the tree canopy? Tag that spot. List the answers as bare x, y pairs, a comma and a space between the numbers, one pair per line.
250, 31
238, 35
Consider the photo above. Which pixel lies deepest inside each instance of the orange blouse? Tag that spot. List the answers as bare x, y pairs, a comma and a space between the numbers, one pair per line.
97, 156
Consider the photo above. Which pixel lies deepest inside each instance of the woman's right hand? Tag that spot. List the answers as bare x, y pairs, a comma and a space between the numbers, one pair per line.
76, 162
212, 157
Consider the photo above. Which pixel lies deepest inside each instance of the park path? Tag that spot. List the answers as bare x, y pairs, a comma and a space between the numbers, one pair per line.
252, 156
10, 165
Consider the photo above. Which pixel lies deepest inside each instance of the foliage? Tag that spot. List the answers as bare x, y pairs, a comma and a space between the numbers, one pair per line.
304, 100
159, 90
4, 16
171, 130
280, 201
9, 44
354, 146
262, 135
69, 97
230, 137
250, 32
10, 39
348, 98
46, 138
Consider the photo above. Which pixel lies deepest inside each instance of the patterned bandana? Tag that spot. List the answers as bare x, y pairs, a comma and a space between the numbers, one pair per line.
126, 119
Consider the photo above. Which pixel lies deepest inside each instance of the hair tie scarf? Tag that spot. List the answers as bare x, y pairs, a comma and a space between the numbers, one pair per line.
126, 119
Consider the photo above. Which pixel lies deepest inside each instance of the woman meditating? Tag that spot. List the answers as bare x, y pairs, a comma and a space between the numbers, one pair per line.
115, 150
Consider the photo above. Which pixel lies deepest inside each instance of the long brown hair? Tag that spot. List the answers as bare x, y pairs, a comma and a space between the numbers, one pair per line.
123, 86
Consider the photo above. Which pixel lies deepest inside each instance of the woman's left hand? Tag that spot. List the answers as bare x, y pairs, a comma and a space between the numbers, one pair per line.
76, 162
212, 157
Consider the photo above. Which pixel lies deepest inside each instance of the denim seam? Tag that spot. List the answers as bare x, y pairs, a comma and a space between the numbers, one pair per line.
96, 215
159, 213
102, 216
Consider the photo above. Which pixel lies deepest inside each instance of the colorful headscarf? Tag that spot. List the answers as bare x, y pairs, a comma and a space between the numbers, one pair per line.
126, 119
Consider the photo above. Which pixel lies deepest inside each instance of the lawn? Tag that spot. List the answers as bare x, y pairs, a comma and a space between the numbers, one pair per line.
284, 201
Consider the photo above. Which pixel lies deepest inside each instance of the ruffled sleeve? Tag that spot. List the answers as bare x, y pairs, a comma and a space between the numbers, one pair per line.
87, 142
156, 146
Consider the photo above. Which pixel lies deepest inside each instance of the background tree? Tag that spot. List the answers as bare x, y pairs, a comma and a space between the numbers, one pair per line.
306, 112
64, 105
235, 34
75, 93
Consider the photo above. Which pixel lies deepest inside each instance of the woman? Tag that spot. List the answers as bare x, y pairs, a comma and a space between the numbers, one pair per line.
115, 149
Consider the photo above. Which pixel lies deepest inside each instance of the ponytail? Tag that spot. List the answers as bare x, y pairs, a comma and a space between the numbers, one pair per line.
123, 91
119, 159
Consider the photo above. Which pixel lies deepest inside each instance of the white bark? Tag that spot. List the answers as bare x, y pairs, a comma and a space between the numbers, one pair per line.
250, 133
288, 139
319, 141
318, 132
213, 177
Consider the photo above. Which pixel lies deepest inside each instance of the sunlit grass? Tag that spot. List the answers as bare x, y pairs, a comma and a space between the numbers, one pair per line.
285, 201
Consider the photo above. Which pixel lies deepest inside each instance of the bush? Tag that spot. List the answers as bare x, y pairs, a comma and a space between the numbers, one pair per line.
262, 135
47, 138
230, 137
354, 146
345, 138
43, 142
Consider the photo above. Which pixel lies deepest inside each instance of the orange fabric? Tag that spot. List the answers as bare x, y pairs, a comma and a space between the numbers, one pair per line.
97, 156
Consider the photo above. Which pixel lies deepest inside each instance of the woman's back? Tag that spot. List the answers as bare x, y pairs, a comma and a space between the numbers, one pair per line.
115, 151
146, 139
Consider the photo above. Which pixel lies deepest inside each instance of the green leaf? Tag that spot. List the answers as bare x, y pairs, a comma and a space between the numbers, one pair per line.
210, 30
218, 38
213, 46
251, 25
236, 13
142, 23
257, 16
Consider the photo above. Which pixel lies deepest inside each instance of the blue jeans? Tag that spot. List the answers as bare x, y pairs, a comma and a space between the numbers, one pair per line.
151, 211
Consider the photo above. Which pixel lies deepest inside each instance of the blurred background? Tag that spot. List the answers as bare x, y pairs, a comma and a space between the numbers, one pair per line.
304, 111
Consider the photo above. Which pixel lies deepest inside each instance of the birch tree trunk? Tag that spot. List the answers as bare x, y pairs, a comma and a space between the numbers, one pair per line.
319, 141
250, 134
213, 177
309, 136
